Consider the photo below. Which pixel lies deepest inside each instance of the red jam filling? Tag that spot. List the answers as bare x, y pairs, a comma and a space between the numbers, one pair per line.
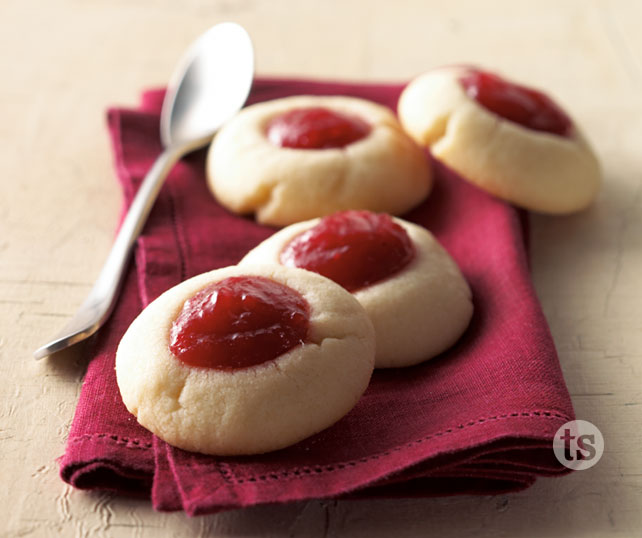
239, 322
316, 128
353, 248
519, 104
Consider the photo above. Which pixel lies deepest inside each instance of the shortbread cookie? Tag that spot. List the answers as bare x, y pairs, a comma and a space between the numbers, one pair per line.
301, 157
413, 291
511, 141
245, 360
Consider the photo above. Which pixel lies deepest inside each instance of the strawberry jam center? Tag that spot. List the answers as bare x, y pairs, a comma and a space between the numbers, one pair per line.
239, 322
316, 128
519, 104
353, 248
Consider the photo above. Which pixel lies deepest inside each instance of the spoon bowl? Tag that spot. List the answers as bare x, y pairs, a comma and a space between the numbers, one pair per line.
210, 84
207, 89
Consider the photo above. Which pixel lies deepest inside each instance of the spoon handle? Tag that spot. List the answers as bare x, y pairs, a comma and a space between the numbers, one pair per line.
98, 305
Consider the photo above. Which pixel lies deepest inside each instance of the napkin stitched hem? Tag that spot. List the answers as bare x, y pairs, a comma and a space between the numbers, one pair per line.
298, 472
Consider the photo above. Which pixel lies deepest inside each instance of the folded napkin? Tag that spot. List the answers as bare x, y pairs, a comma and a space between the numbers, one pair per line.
478, 419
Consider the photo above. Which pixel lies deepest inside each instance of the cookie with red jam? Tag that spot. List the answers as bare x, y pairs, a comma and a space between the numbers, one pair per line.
511, 140
246, 360
412, 290
301, 157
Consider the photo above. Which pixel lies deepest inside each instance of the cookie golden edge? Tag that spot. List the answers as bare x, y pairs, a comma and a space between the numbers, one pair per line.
417, 313
385, 171
251, 410
535, 170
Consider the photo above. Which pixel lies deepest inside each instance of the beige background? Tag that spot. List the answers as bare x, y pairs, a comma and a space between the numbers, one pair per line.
64, 61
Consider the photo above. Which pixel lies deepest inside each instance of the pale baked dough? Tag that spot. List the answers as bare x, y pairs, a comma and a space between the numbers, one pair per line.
417, 313
385, 171
532, 169
256, 409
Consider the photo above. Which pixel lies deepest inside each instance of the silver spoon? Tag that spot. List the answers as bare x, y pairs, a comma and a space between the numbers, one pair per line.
210, 85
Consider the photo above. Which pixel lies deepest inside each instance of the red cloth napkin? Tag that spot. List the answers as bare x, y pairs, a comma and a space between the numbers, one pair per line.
478, 419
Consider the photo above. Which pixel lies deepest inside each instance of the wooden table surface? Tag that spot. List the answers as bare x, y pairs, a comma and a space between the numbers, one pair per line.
64, 62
